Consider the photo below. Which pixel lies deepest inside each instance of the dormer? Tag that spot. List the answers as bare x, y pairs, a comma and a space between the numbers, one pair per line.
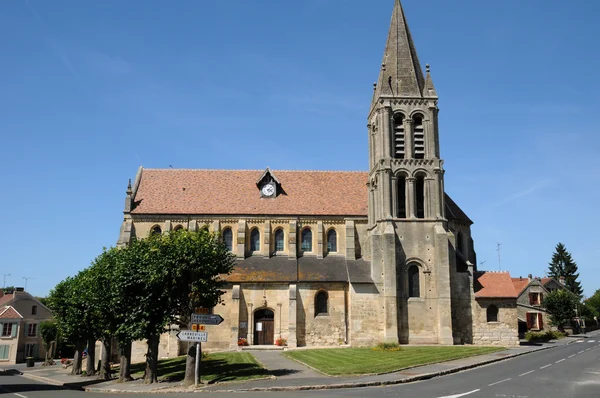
268, 185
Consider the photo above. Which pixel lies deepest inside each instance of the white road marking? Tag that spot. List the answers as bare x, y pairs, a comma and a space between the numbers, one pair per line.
594, 373
460, 395
560, 360
571, 356
587, 349
526, 373
581, 352
580, 341
19, 395
498, 382
543, 367
592, 341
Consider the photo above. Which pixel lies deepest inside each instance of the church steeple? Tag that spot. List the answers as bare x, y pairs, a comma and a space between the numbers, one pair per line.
401, 74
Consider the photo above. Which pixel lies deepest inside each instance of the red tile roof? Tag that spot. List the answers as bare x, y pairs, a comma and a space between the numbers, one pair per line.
494, 285
5, 299
9, 312
520, 284
183, 191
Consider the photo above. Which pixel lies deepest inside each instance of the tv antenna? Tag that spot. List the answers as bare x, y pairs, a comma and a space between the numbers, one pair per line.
26, 280
5, 275
482, 262
498, 250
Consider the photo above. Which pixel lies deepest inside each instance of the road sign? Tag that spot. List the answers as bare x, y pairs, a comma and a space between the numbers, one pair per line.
202, 310
198, 328
189, 335
207, 319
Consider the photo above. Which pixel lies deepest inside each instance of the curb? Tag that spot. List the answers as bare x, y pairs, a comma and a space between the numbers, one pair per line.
50, 381
425, 376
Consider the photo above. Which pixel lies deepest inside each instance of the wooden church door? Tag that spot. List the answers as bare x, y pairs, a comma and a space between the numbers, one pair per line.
264, 327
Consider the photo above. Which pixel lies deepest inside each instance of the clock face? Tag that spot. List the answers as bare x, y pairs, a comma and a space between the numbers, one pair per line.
268, 190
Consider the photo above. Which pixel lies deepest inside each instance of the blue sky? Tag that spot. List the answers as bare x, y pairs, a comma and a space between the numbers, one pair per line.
89, 91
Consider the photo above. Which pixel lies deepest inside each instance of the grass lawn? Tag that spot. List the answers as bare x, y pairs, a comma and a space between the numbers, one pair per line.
218, 367
352, 361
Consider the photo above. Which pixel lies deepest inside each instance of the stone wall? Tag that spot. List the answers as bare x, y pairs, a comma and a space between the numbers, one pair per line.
365, 316
505, 332
321, 330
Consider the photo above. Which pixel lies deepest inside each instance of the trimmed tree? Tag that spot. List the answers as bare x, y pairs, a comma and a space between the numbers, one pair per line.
561, 306
49, 335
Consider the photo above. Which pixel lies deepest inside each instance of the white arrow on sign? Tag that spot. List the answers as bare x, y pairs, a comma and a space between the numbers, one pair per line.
190, 335
202, 319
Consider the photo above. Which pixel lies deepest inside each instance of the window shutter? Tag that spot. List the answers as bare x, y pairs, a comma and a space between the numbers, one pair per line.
540, 321
530, 298
36, 351
541, 298
529, 322
15, 326
1, 328
25, 329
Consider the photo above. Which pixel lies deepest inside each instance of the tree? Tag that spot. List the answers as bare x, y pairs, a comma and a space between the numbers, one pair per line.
562, 264
49, 334
561, 306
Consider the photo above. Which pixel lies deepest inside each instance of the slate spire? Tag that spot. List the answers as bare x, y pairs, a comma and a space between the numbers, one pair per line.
401, 74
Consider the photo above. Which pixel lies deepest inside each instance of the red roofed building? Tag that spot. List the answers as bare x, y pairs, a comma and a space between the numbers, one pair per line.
531, 292
337, 257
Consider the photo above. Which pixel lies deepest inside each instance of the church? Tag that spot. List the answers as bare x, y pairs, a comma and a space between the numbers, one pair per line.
330, 258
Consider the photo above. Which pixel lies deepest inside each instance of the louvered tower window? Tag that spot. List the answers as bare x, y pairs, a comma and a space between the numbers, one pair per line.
401, 184
420, 196
419, 138
399, 136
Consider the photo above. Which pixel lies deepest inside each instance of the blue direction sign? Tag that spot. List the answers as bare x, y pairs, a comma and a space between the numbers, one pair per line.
190, 335
207, 319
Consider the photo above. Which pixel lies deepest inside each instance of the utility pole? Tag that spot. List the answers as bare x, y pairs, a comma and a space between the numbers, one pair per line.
5, 275
498, 250
26, 279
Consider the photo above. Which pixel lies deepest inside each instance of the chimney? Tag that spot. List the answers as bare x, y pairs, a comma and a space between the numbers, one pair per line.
520, 278
529, 277
561, 279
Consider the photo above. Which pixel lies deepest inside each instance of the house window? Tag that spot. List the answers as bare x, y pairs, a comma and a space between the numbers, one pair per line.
535, 320
155, 230
535, 298
413, 281
306, 245
228, 238
321, 303
399, 136
492, 313
7, 329
4, 351
279, 242
331, 241
32, 330
401, 185
418, 138
255, 240
34, 310
30, 350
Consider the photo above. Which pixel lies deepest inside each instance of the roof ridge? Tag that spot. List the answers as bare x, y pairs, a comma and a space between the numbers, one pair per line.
258, 170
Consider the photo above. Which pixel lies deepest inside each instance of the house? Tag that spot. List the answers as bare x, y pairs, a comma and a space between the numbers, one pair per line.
341, 257
20, 316
531, 292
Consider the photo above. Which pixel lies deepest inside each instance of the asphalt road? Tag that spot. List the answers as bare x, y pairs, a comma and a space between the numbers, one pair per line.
571, 371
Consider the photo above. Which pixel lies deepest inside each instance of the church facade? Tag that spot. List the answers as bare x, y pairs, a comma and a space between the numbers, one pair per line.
342, 258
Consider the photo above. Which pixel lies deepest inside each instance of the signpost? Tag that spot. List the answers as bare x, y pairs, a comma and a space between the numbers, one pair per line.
197, 335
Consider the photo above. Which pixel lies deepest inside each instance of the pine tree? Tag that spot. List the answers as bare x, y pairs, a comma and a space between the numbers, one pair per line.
562, 264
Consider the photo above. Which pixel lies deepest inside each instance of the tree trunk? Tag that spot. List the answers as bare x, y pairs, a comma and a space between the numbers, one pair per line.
125, 361
190, 365
152, 360
76, 370
90, 368
105, 372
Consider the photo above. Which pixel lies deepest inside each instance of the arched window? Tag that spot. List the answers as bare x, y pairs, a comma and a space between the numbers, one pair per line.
254, 240
460, 246
401, 184
492, 313
228, 238
418, 138
331, 241
321, 303
306, 240
279, 242
420, 196
155, 230
178, 228
399, 136
413, 281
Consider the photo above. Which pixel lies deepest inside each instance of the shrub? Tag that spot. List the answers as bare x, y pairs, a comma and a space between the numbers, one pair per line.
387, 347
545, 335
281, 342
242, 342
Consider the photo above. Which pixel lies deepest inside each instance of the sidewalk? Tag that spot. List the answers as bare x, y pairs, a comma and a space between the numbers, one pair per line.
289, 375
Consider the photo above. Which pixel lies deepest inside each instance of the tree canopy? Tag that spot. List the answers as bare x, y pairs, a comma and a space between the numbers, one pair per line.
561, 306
562, 264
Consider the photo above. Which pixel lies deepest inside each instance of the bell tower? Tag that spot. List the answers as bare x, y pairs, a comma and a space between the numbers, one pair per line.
406, 193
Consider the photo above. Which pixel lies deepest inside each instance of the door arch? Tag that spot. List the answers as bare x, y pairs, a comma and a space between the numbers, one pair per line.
264, 327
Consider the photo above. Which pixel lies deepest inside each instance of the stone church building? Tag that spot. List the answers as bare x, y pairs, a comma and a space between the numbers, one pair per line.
327, 258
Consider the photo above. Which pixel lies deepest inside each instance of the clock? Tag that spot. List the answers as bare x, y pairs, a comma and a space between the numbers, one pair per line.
268, 190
